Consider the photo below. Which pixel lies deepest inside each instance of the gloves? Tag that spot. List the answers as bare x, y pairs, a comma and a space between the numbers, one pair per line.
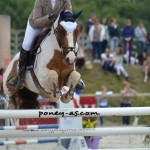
53, 17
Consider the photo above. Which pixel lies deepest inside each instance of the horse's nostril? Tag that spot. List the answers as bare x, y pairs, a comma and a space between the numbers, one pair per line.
67, 60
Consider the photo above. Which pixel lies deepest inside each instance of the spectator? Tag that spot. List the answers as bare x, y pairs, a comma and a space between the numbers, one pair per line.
126, 93
88, 25
147, 61
103, 102
140, 34
106, 34
146, 68
80, 56
107, 61
128, 35
114, 35
118, 57
90, 22
96, 35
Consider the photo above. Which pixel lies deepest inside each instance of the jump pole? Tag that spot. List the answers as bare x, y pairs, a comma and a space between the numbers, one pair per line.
29, 127
76, 132
31, 141
74, 112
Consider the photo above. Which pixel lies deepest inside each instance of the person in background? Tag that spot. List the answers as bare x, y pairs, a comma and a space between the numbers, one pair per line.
80, 56
126, 100
128, 35
114, 34
90, 22
103, 102
146, 68
147, 62
96, 34
106, 34
107, 61
140, 34
118, 57
88, 25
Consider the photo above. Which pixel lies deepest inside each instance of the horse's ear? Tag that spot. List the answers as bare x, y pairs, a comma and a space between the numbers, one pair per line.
77, 15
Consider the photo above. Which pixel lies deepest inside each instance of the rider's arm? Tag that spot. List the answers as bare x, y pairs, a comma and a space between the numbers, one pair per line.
68, 6
37, 19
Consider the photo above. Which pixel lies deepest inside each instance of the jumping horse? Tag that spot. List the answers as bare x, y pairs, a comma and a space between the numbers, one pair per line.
54, 66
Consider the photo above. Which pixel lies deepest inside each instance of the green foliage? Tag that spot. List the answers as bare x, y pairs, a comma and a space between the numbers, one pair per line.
136, 10
90, 123
19, 11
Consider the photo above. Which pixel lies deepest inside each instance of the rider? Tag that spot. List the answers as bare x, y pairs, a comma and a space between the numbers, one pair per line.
43, 15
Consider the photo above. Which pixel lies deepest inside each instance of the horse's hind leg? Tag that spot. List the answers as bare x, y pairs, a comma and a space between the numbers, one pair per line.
72, 82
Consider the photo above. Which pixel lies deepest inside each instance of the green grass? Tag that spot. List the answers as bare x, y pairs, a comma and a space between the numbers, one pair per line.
96, 78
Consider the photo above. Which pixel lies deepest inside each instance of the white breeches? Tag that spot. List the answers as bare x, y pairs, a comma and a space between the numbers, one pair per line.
30, 35
120, 69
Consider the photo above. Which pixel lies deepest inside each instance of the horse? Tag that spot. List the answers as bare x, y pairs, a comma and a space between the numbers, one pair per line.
54, 66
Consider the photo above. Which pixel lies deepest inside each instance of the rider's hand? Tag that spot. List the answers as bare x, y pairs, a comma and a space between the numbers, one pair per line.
53, 17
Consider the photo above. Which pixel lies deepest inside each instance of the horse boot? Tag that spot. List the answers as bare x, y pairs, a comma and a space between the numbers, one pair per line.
18, 80
80, 85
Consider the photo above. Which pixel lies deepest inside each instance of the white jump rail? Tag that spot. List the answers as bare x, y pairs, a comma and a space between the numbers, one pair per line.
74, 112
76, 132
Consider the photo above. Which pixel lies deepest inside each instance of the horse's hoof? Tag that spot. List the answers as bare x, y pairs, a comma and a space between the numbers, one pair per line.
65, 99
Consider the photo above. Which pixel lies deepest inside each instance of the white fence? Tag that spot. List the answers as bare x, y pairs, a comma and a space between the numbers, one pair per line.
80, 112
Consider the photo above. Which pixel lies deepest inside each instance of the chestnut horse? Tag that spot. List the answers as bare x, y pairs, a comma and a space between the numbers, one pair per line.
54, 66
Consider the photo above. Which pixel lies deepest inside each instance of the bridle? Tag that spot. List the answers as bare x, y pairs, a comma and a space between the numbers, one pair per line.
69, 49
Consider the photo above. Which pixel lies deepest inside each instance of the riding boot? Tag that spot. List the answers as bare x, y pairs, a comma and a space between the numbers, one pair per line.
23, 60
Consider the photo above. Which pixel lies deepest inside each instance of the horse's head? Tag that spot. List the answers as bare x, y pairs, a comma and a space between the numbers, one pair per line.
67, 33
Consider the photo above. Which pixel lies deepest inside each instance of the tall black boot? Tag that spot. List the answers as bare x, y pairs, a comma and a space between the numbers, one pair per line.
23, 60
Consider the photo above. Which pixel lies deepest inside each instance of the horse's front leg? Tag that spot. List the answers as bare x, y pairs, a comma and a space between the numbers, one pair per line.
72, 82
49, 81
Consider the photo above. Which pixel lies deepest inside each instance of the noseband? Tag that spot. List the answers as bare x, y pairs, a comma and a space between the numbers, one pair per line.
70, 49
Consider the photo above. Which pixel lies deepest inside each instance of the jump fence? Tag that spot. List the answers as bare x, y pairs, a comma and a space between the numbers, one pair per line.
31, 141
53, 131
76, 132
74, 112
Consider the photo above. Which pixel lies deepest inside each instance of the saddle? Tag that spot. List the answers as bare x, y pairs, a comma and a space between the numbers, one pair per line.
35, 46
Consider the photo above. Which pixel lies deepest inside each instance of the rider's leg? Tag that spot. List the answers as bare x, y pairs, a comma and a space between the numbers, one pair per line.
80, 85
30, 35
